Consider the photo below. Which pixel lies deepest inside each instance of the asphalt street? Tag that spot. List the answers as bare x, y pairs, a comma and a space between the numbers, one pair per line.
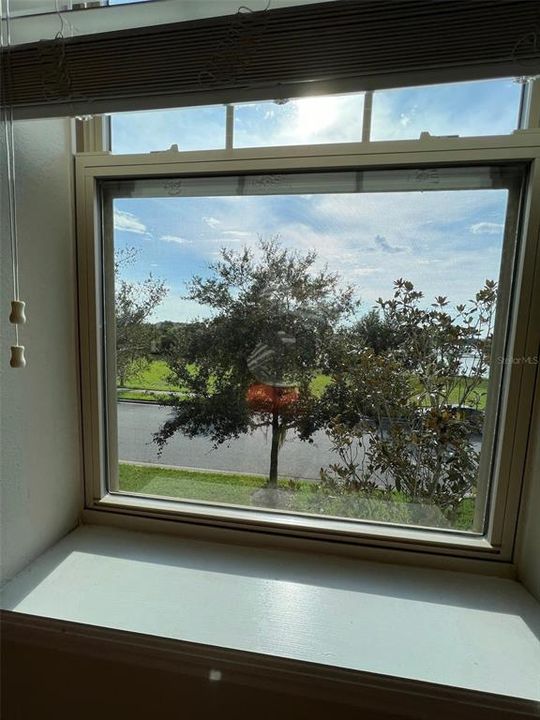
250, 454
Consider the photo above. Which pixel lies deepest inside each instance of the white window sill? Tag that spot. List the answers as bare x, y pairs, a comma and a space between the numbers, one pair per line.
438, 627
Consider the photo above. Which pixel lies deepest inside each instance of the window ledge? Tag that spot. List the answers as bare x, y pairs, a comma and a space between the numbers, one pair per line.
465, 632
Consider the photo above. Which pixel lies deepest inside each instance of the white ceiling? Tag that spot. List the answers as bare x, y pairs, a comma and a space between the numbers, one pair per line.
34, 20
185, 9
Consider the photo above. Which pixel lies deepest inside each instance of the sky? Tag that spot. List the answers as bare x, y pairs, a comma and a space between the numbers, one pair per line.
446, 242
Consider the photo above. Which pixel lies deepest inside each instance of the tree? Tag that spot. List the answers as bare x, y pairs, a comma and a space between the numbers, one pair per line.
252, 363
375, 331
165, 334
407, 419
134, 303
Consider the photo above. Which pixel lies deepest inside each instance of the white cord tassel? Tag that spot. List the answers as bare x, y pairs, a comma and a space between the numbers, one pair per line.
17, 357
17, 316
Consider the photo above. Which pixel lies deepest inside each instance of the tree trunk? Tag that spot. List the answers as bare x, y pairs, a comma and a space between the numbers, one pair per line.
274, 452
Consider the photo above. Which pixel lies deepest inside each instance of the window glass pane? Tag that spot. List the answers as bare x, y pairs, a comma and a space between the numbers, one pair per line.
325, 119
468, 109
196, 128
316, 343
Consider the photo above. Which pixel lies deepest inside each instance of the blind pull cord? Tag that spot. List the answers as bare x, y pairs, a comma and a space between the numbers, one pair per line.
17, 315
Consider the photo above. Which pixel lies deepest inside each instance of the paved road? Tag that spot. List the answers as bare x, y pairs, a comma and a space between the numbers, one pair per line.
251, 453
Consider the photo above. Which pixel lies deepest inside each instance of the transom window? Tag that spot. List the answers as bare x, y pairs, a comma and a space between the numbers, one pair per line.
489, 107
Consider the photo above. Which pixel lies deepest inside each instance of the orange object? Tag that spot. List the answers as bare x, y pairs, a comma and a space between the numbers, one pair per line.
267, 398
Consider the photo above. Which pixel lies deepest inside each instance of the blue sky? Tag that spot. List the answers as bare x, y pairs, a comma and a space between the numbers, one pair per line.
447, 242
477, 108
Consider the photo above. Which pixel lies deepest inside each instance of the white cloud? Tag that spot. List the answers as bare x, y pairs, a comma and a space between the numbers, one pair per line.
423, 237
208, 242
405, 119
365, 271
486, 228
383, 244
128, 222
212, 221
177, 308
175, 239
434, 254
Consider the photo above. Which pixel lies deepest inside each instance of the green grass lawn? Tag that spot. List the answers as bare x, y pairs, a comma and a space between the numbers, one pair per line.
476, 399
145, 395
295, 496
154, 378
190, 484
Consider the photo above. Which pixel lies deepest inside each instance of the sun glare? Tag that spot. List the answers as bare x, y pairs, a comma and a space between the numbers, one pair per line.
316, 113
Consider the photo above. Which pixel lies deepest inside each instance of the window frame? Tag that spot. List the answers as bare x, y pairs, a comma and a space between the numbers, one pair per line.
498, 543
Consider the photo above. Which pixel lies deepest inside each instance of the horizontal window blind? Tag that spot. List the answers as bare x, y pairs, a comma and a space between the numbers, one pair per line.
329, 47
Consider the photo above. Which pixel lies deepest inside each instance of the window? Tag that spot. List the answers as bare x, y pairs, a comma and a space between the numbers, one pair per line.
319, 341
467, 109
489, 107
271, 349
201, 128
310, 120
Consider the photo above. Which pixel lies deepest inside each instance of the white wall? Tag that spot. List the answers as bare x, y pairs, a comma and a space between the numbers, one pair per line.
34, 20
528, 555
40, 479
